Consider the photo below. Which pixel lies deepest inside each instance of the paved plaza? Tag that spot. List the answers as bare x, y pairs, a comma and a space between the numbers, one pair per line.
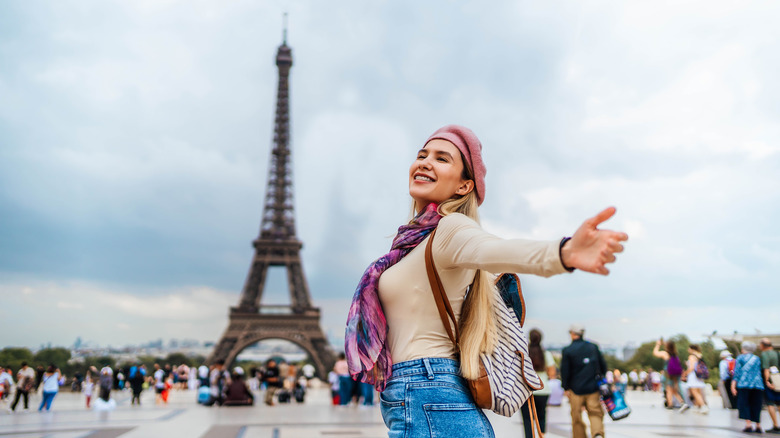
315, 418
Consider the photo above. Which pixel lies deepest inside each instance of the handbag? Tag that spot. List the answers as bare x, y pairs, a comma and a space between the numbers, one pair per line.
507, 378
774, 377
613, 401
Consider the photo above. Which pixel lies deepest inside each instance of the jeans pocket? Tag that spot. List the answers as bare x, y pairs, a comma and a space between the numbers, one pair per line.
392, 406
457, 420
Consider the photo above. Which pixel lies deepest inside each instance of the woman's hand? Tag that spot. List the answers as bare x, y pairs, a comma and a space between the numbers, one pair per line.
589, 249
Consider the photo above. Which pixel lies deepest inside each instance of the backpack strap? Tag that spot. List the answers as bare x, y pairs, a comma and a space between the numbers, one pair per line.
534, 417
442, 303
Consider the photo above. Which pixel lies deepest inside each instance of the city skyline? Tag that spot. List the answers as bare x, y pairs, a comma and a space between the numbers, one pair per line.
134, 145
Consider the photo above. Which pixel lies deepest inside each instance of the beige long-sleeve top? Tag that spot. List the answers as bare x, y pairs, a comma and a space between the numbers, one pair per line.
415, 329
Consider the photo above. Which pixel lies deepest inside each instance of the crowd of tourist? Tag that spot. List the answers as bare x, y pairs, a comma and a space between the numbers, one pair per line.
215, 385
747, 383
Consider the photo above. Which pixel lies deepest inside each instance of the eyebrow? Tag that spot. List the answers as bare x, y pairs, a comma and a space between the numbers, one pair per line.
437, 153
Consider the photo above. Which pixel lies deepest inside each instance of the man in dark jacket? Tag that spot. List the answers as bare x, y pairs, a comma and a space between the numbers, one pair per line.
581, 365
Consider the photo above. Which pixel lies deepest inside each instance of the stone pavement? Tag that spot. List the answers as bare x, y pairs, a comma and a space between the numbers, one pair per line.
182, 417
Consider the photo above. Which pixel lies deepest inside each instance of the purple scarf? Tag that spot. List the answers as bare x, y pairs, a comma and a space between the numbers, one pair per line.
367, 355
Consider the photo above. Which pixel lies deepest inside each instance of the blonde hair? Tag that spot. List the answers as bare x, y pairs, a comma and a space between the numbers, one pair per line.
477, 326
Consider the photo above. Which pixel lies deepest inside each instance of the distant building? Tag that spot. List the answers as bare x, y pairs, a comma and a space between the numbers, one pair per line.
629, 350
755, 337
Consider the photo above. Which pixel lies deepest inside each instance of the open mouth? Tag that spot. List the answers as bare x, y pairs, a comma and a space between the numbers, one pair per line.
423, 178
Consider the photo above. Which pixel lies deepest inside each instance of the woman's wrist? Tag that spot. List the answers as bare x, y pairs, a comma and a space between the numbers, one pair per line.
564, 252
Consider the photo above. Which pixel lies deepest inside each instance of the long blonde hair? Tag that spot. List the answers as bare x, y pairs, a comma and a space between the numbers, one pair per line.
477, 326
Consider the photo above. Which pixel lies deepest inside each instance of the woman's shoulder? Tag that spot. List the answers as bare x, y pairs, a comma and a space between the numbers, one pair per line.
452, 226
457, 220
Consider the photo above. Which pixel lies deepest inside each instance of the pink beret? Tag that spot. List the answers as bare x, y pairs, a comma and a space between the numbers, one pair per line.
467, 142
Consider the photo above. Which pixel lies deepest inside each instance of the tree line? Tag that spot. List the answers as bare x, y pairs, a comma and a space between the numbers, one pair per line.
13, 357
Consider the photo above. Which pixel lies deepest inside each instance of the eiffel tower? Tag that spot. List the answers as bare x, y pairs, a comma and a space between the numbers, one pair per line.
277, 245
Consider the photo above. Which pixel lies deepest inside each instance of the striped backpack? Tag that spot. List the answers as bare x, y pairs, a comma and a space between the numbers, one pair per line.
507, 377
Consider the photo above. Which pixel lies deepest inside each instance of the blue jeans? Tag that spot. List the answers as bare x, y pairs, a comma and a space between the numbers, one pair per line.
427, 398
367, 391
47, 399
346, 387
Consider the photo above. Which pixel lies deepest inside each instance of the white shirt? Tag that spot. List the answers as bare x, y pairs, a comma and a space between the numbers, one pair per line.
159, 376
51, 383
25, 372
308, 370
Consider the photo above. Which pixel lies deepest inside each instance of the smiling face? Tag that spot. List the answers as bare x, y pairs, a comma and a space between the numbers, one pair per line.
437, 174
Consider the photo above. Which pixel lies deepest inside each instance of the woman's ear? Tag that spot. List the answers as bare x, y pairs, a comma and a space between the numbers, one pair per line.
465, 188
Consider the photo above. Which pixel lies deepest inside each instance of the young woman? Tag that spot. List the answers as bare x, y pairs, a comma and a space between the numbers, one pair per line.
673, 372
544, 365
51, 386
395, 338
748, 386
695, 384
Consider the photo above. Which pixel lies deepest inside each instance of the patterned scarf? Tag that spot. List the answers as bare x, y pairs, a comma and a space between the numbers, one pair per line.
367, 355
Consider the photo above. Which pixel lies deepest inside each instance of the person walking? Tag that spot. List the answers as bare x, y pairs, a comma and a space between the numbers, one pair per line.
770, 362
51, 386
544, 365
136, 377
25, 382
218, 381
346, 384
395, 338
39, 372
6, 382
634, 379
581, 365
106, 382
672, 372
159, 384
89, 388
273, 381
726, 375
748, 386
694, 380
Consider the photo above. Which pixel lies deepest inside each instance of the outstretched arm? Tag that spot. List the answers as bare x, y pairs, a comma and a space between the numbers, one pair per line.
590, 248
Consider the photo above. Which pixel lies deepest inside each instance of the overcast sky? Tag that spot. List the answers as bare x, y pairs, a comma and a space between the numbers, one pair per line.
135, 140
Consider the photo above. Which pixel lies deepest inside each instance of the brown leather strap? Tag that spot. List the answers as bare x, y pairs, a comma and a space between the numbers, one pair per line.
442, 302
534, 415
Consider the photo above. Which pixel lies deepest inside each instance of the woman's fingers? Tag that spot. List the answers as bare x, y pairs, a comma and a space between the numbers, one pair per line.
617, 236
605, 214
614, 246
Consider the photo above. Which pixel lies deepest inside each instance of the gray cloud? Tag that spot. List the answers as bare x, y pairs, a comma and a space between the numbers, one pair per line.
134, 144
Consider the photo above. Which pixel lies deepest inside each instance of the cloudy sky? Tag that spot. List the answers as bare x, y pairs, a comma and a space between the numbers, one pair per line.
135, 138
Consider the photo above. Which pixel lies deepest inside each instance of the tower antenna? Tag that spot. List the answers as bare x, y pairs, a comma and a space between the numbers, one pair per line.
284, 30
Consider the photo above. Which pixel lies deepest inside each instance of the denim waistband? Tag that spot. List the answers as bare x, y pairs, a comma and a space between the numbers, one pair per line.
426, 365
